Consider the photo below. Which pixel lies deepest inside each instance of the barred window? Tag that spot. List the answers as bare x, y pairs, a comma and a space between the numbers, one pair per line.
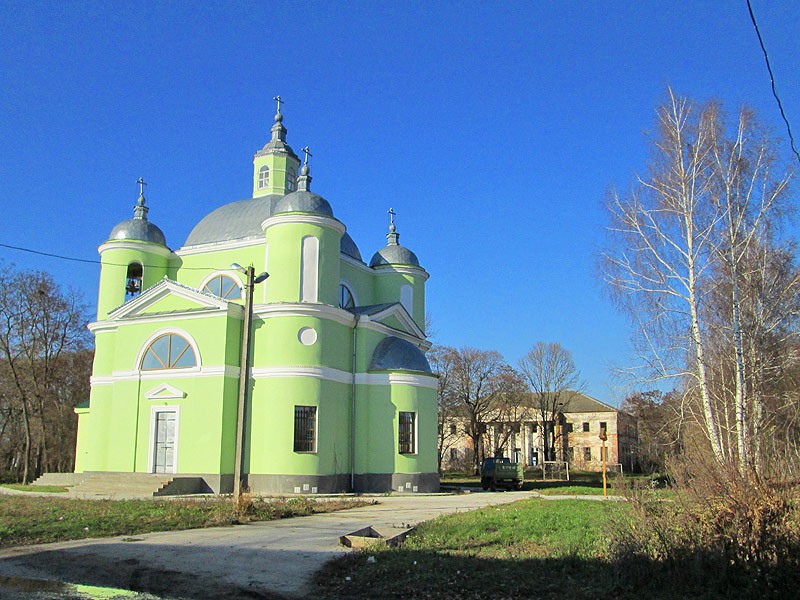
305, 428
407, 425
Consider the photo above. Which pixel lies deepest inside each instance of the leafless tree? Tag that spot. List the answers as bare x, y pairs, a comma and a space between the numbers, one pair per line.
550, 371
683, 234
450, 410
473, 378
43, 348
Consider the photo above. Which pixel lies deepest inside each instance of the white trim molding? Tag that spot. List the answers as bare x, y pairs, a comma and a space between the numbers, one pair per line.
138, 246
164, 391
219, 246
305, 219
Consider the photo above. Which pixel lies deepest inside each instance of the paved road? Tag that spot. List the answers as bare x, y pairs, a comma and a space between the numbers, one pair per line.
274, 559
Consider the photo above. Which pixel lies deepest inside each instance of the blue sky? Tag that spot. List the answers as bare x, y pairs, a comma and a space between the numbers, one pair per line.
493, 129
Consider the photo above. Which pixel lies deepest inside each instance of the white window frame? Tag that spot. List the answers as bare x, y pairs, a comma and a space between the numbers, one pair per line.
137, 367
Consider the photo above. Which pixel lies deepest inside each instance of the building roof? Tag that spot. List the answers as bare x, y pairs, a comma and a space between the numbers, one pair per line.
138, 228
303, 201
579, 403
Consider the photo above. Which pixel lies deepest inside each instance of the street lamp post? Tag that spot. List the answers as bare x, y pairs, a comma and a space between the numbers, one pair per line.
244, 374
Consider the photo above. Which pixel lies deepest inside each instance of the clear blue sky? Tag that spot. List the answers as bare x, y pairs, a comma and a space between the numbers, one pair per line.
493, 129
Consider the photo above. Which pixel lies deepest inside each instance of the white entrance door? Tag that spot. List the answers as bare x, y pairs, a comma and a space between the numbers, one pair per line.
164, 447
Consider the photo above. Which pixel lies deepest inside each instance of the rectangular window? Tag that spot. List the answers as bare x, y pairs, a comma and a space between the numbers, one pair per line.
585, 426
568, 428
407, 443
453, 429
570, 454
603, 426
453, 453
516, 427
535, 428
305, 428
587, 455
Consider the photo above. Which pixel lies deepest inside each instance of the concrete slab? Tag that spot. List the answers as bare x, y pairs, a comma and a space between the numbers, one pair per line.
274, 559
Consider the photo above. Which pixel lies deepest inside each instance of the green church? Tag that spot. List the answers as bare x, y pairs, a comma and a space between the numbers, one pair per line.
309, 378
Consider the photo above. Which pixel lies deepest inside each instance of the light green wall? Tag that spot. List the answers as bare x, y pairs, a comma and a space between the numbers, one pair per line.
361, 282
387, 289
278, 165
276, 343
114, 269
285, 253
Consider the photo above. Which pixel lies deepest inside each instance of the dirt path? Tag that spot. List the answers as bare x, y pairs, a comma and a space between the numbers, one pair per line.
273, 559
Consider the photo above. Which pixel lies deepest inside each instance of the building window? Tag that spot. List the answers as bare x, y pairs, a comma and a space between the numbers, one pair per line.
585, 426
291, 180
263, 177
305, 428
407, 439
587, 455
346, 299
224, 286
570, 454
453, 429
568, 428
169, 351
603, 427
453, 453
133, 281
534, 428
516, 427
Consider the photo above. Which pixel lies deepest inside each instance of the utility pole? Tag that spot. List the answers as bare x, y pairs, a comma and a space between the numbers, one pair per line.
244, 375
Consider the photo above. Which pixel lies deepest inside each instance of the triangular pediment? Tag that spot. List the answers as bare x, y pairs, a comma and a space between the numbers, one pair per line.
394, 316
168, 296
165, 391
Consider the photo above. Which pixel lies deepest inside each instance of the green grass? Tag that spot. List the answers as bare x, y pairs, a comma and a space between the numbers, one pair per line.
581, 483
531, 548
550, 550
48, 489
33, 519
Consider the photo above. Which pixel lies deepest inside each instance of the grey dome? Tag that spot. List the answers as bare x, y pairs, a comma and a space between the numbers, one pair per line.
394, 254
348, 246
303, 201
234, 221
138, 229
395, 354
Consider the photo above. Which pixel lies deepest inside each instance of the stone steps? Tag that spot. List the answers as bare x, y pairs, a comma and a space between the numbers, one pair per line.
123, 484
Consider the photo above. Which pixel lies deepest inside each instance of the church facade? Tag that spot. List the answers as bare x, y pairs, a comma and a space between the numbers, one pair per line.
338, 395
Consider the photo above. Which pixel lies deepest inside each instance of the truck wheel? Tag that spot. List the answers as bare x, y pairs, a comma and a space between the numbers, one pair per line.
493, 486
518, 486
484, 484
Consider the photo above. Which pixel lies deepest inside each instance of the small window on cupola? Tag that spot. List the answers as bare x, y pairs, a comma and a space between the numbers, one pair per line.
133, 281
291, 180
263, 177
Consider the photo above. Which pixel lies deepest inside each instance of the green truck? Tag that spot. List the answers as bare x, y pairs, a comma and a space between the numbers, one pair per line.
501, 473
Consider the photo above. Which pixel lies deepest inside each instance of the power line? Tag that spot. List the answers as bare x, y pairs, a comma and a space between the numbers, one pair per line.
97, 262
772, 81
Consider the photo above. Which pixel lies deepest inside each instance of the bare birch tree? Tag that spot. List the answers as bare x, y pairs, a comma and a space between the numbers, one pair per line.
684, 232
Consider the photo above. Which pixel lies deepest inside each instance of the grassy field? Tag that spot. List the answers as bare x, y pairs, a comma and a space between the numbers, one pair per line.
528, 549
32, 519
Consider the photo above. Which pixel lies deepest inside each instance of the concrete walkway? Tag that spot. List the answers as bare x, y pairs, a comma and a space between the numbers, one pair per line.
274, 559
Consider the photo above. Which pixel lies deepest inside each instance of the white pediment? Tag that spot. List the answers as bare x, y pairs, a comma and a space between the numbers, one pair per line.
165, 391
190, 299
399, 312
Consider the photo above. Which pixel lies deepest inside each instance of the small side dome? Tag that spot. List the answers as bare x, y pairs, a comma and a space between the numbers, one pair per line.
348, 247
394, 254
303, 201
139, 228
395, 354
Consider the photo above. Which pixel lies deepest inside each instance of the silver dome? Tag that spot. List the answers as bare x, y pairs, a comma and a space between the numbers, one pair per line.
234, 221
395, 354
348, 246
303, 201
138, 229
394, 254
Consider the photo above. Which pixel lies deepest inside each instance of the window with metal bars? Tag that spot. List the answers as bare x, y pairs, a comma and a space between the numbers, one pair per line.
305, 428
407, 426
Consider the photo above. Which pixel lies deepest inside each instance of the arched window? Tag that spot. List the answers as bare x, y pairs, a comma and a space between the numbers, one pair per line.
224, 286
263, 177
133, 281
346, 299
169, 351
291, 180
